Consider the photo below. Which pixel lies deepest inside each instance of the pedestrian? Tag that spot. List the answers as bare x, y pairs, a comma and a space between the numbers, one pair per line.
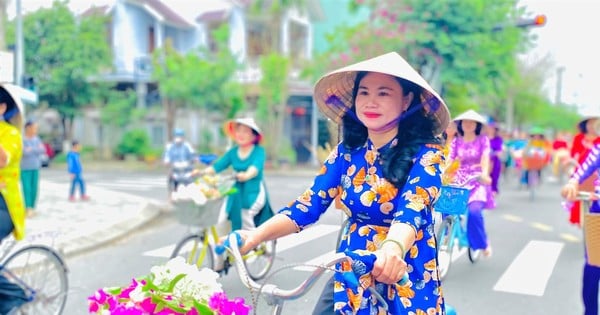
496, 151
385, 174
12, 208
472, 148
250, 206
76, 172
591, 273
31, 162
583, 142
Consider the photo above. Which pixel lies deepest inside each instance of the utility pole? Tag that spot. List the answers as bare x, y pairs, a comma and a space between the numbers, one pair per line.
19, 46
559, 77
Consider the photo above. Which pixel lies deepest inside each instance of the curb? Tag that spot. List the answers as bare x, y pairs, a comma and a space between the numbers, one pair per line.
93, 240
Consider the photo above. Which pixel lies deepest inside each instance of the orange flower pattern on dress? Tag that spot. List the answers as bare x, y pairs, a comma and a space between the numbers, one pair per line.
354, 181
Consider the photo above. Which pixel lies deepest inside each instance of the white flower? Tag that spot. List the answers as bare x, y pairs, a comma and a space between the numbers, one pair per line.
198, 284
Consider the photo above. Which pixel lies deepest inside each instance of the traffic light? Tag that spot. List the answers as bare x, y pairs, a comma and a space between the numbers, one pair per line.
538, 20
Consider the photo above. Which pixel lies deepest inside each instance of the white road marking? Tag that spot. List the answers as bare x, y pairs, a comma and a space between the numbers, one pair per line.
306, 236
161, 252
283, 244
530, 270
541, 226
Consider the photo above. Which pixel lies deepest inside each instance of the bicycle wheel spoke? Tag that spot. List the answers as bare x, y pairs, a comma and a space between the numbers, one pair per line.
194, 251
259, 261
40, 272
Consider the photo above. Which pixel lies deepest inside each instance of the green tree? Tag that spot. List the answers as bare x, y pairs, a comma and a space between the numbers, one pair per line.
198, 79
271, 107
61, 52
455, 45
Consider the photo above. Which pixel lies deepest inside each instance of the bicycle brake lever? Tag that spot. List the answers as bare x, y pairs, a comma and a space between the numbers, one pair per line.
220, 249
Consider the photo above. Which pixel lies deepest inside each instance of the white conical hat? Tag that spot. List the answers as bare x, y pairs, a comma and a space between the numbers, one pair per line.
246, 121
17, 118
471, 115
589, 114
333, 91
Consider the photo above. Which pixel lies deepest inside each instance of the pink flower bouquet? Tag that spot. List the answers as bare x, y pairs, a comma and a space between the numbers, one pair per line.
175, 288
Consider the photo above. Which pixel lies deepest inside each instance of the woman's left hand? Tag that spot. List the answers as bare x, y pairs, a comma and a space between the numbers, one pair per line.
485, 179
390, 267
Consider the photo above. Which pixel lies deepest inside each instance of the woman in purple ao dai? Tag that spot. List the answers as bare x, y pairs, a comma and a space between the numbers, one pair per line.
472, 149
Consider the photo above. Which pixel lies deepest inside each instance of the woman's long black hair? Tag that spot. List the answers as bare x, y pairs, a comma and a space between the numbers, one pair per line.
413, 131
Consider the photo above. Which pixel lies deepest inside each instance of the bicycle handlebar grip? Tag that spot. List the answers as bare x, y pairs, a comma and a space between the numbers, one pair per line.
220, 249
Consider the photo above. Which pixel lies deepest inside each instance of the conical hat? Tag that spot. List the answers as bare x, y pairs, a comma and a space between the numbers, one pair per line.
333, 91
229, 126
17, 118
589, 114
471, 115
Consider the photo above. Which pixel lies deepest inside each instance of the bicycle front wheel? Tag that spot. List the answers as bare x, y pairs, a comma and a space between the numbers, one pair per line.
260, 260
194, 251
42, 274
445, 246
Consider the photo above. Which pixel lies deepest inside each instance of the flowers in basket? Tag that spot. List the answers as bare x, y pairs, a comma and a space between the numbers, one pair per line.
176, 288
206, 188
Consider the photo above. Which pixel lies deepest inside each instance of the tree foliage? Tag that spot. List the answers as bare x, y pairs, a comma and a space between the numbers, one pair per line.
468, 50
271, 107
198, 79
61, 52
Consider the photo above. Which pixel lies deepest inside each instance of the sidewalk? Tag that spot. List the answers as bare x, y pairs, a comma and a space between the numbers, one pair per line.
73, 227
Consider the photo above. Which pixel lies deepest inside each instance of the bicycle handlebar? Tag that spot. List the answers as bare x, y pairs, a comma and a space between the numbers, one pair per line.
586, 196
233, 242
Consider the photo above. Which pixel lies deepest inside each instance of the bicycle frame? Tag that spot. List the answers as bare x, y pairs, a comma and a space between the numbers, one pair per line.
211, 234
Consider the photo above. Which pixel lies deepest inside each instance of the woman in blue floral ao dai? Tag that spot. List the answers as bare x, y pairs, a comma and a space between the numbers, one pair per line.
385, 174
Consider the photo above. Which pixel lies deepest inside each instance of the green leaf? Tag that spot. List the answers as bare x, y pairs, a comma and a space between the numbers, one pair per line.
174, 282
203, 309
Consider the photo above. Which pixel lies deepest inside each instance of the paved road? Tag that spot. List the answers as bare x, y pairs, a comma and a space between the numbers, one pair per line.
535, 269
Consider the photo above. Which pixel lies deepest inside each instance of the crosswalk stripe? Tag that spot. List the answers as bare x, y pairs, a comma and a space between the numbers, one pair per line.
530, 271
128, 187
309, 234
161, 252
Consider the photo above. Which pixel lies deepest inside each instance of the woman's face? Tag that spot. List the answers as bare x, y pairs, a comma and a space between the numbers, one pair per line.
2, 108
244, 135
592, 126
469, 126
380, 101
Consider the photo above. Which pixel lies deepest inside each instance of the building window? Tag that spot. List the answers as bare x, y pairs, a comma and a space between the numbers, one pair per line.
259, 39
151, 40
298, 42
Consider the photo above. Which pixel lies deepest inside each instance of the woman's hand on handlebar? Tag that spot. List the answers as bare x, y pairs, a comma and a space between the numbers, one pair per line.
485, 179
389, 266
569, 191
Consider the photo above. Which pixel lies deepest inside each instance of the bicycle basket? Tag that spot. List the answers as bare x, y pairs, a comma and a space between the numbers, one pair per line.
452, 200
591, 229
205, 214
188, 212
535, 162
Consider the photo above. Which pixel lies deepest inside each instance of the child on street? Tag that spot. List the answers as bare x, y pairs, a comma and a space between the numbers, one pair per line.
75, 171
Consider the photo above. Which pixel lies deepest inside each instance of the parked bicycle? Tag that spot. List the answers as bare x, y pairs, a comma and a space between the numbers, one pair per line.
199, 248
37, 274
451, 234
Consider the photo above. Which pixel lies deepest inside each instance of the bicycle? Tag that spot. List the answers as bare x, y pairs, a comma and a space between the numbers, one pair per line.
452, 232
590, 222
199, 248
276, 297
38, 276
533, 166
